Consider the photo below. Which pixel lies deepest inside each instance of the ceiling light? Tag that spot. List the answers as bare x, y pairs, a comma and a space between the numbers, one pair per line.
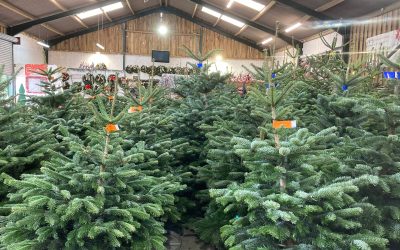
112, 7
293, 27
43, 44
162, 30
251, 4
230, 3
89, 13
211, 12
232, 21
100, 46
267, 41
99, 11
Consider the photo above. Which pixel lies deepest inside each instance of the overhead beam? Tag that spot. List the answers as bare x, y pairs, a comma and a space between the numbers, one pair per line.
128, 3
305, 10
21, 27
329, 5
58, 5
253, 24
260, 14
202, 23
165, 9
115, 22
26, 15
195, 10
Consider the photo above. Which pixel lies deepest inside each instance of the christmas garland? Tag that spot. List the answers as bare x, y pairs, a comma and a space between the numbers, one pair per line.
158, 70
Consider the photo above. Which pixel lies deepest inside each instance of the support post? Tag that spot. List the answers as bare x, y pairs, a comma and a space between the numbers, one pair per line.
123, 45
201, 40
346, 48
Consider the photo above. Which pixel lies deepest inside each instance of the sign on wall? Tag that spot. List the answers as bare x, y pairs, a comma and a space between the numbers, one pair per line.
385, 43
32, 84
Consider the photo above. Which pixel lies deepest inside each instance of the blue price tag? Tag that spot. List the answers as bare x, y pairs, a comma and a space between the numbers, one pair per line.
389, 75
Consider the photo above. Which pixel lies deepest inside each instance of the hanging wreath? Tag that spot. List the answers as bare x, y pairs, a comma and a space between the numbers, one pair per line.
88, 79
112, 78
100, 79
65, 76
132, 69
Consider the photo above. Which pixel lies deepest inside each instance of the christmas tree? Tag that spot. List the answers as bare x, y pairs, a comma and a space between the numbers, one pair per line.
96, 196
23, 142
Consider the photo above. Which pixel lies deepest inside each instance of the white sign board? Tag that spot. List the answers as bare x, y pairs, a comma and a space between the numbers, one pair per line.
385, 43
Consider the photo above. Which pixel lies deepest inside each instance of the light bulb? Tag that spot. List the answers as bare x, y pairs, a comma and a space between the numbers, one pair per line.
162, 30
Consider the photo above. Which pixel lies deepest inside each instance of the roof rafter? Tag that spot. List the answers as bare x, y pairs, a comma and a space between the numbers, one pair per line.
58, 5
253, 24
210, 26
13, 30
130, 6
26, 15
260, 14
305, 9
165, 9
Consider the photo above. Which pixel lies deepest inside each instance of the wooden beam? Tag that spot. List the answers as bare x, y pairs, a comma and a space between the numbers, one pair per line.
299, 7
58, 5
195, 9
329, 5
36, 21
210, 26
26, 15
253, 24
128, 3
260, 14
115, 22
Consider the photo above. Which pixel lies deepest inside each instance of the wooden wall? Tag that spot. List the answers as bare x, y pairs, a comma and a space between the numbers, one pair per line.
142, 37
3, 29
375, 26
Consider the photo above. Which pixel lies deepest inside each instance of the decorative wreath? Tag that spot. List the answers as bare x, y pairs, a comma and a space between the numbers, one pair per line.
88, 79
100, 79
65, 76
112, 78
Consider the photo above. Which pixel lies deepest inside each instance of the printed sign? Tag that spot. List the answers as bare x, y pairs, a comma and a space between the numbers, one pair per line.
385, 42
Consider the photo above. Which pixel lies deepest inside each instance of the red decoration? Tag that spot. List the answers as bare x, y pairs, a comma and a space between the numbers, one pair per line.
112, 78
88, 86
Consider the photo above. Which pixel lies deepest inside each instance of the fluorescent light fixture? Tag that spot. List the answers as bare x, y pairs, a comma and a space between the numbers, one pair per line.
98, 11
211, 12
43, 44
267, 41
89, 13
230, 3
293, 27
251, 4
162, 30
111, 7
100, 46
232, 21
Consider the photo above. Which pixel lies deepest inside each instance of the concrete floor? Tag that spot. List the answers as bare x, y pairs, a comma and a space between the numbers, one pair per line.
186, 241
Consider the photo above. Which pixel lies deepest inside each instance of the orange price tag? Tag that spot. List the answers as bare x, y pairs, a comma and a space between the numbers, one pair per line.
135, 109
284, 124
110, 128
111, 98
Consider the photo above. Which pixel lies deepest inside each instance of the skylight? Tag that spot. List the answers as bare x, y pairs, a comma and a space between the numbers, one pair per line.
267, 41
112, 7
293, 27
211, 12
99, 11
232, 21
248, 3
223, 17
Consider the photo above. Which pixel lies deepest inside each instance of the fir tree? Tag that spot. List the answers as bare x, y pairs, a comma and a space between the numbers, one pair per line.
94, 197
23, 142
